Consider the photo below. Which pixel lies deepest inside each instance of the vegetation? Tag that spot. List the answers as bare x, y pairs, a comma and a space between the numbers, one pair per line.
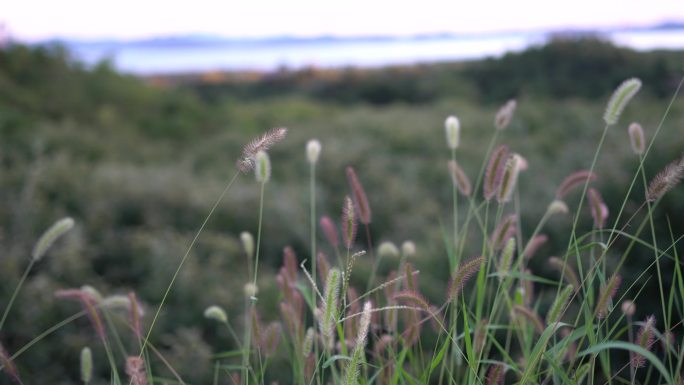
437, 286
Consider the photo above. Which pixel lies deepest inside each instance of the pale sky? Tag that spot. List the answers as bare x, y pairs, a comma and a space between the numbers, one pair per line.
32, 20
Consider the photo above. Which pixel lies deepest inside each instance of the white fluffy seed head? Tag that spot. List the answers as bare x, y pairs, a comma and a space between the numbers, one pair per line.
313, 151
250, 289
557, 207
408, 249
216, 313
247, 243
453, 131
364, 324
263, 167
636, 138
388, 249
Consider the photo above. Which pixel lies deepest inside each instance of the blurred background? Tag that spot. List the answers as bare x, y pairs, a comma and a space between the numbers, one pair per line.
129, 116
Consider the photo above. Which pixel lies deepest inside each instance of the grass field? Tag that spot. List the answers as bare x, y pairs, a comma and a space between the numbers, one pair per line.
139, 166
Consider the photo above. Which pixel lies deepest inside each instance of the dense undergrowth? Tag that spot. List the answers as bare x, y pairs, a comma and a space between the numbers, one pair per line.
139, 168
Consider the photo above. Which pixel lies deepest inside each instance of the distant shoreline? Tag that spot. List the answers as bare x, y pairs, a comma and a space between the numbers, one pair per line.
178, 56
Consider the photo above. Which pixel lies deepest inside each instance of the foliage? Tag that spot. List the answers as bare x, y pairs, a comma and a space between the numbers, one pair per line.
138, 167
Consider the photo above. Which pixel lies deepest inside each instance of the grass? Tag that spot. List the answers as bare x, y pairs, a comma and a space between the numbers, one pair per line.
514, 319
492, 326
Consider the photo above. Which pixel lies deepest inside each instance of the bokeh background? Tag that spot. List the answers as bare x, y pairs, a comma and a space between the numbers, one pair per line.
129, 118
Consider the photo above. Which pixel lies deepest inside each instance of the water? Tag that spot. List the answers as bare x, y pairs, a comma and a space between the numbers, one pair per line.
270, 55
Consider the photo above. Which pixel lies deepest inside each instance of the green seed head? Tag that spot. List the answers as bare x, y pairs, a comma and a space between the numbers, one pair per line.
86, 365
50, 236
408, 249
617, 103
216, 313
388, 250
263, 167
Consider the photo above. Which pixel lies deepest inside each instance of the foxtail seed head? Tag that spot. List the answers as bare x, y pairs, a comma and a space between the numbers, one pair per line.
565, 270
313, 151
247, 241
599, 210
618, 101
459, 178
504, 230
408, 249
534, 244
8, 365
494, 172
636, 138
495, 374
359, 195
49, 237
352, 371
644, 339
248, 159
364, 324
271, 338
559, 305
216, 313
628, 308
557, 206
329, 307
307, 344
509, 179
250, 290
330, 231
453, 132
86, 365
263, 167
480, 335
506, 258
665, 180
573, 180
388, 249
606, 295
135, 368
531, 316
348, 222
505, 114
463, 273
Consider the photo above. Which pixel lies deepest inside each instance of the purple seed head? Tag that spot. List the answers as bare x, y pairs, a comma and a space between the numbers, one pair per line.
330, 231
349, 224
573, 180
360, 199
495, 170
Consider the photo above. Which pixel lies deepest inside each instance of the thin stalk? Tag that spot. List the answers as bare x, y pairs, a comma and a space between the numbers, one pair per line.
16, 291
183, 259
312, 210
455, 256
655, 250
258, 243
250, 302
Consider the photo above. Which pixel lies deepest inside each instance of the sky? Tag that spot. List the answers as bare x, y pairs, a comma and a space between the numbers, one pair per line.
33, 20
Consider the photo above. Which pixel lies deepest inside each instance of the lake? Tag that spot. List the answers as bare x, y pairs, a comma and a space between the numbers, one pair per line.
268, 55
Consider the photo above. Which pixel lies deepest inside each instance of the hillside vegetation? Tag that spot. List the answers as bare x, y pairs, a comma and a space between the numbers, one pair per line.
138, 166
